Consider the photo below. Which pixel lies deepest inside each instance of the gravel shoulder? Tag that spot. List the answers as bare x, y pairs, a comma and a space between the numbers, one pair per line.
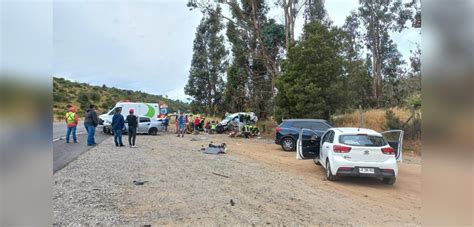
185, 187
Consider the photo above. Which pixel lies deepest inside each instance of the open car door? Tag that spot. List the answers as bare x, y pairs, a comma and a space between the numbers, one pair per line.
395, 140
307, 146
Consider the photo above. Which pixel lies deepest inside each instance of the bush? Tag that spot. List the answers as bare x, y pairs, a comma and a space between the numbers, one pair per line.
392, 121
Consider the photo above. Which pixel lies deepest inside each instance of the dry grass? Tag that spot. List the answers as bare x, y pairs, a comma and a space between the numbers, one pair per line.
373, 119
267, 128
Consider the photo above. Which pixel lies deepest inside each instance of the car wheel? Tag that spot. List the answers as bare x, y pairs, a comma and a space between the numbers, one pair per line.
104, 130
152, 131
288, 144
329, 174
316, 161
389, 180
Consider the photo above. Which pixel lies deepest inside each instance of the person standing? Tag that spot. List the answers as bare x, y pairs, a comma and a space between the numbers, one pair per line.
117, 124
181, 124
132, 121
71, 122
166, 122
91, 122
196, 124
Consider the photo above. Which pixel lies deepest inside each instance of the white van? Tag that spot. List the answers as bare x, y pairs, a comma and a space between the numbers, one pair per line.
151, 110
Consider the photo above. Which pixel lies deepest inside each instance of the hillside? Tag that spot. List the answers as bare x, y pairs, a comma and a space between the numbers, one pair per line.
81, 95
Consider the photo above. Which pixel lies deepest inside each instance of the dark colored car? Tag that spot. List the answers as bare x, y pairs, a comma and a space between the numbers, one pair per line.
288, 131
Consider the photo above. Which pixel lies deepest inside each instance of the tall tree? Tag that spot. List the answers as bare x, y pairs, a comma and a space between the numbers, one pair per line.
251, 16
310, 84
238, 73
208, 65
291, 9
379, 18
315, 11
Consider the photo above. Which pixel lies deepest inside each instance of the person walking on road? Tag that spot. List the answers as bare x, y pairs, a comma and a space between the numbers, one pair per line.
181, 124
90, 123
118, 123
71, 121
132, 121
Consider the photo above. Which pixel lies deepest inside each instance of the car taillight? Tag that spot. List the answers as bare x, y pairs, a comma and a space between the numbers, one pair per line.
341, 149
345, 168
388, 150
387, 170
277, 129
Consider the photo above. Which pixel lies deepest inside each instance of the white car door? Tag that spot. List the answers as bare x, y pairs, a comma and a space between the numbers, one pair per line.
307, 146
395, 140
143, 124
326, 145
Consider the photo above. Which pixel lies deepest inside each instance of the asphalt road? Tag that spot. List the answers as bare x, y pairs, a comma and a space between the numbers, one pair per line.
64, 153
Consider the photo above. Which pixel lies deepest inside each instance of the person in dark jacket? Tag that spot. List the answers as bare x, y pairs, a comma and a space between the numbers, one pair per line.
118, 123
90, 123
132, 121
166, 123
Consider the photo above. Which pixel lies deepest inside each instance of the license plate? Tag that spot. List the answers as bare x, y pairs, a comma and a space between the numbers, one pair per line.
367, 170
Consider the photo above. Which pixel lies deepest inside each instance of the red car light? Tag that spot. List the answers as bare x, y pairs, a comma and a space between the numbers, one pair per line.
387, 170
277, 129
388, 150
341, 149
345, 168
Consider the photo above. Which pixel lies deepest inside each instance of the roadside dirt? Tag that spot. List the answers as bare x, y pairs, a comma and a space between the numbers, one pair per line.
185, 187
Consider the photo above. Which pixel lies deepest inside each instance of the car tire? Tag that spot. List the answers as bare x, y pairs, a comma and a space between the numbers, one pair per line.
152, 131
104, 130
389, 180
288, 144
316, 161
329, 174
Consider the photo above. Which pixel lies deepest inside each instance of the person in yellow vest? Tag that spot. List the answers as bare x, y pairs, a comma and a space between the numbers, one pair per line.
71, 121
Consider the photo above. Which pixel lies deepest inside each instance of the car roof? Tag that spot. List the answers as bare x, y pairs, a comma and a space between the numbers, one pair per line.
351, 130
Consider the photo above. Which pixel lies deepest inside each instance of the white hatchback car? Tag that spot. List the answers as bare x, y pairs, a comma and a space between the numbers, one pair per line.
353, 152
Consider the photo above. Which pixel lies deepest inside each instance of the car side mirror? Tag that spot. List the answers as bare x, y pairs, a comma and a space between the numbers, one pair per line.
314, 137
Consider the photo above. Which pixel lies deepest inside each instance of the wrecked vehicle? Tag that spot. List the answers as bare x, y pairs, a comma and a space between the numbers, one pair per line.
232, 121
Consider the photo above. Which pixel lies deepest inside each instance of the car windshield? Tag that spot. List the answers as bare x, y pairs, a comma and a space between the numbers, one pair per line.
362, 140
229, 118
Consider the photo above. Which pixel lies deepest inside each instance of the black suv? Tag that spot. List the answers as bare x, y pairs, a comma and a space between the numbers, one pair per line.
288, 131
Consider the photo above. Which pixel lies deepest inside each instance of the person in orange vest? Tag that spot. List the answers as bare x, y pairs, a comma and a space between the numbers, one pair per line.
71, 121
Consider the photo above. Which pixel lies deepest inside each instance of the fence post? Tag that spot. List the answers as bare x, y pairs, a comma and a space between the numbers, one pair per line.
361, 119
413, 114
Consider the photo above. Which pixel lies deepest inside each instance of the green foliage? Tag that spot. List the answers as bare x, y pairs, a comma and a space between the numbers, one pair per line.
82, 95
208, 65
311, 79
392, 121
94, 96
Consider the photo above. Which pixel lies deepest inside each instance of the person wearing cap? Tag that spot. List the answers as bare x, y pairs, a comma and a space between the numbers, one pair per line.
71, 122
132, 121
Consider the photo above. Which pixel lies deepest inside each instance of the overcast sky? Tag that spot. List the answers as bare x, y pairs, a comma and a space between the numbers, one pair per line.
146, 45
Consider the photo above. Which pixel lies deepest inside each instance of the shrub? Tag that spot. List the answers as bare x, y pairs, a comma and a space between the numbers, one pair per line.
392, 121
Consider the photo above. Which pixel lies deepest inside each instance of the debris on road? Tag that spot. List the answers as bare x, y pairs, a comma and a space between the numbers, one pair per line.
220, 175
215, 149
199, 139
139, 182
232, 203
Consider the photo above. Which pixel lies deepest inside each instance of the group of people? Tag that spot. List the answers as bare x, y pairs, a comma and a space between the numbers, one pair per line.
118, 125
185, 125
91, 121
